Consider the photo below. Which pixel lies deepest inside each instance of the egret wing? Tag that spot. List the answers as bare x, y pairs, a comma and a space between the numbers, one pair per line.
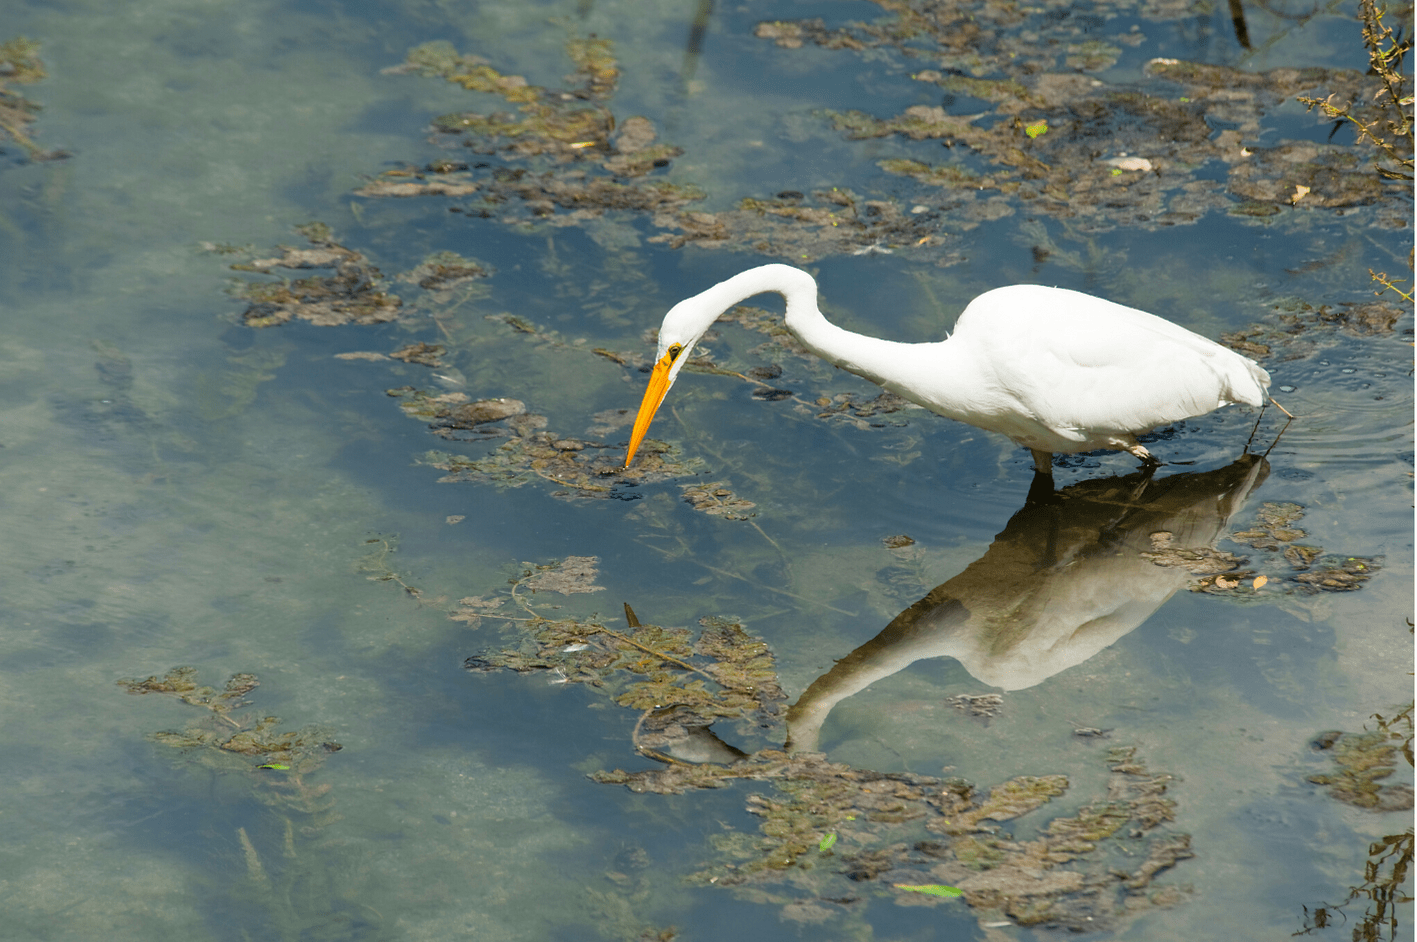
1082, 364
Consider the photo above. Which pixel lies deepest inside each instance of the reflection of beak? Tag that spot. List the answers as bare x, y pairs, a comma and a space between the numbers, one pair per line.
654, 395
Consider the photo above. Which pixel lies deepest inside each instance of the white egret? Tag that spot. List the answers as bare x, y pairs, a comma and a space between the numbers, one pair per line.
1054, 370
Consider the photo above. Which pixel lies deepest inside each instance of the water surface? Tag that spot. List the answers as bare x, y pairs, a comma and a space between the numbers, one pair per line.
184, 489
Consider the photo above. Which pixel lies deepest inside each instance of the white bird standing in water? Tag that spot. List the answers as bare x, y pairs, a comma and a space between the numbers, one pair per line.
1053, 369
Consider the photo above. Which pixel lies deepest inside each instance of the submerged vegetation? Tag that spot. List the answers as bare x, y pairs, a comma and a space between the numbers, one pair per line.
1053, 137
1292, 567
280, 851
831, 834
351, 295
711, 713
1095, 154
1364, 760
224, 733
20, 65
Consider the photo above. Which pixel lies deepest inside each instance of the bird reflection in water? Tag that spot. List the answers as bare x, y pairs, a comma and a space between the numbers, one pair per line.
1067, 577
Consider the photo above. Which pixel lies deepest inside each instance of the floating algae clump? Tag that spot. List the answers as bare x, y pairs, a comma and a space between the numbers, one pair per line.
1289, 567
20, 65
1364, 760
226, 730
829, 831
292, 882
1079, 148
350, 295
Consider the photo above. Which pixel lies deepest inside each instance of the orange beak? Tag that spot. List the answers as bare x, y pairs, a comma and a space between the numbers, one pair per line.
654, 395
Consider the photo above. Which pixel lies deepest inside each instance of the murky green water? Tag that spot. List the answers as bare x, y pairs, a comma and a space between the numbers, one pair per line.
183, 489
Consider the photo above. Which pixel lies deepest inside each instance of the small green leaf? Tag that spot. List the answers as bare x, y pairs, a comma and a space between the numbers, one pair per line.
1036, 129
273, 765
931, 889
825, 844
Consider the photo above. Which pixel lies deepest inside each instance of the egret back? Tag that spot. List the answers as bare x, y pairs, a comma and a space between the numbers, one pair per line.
1068, 372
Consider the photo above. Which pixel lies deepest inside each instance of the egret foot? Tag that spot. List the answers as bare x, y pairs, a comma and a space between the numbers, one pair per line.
1147, 459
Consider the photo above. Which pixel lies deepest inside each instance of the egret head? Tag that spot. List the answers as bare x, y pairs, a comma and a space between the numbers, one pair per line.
683, 326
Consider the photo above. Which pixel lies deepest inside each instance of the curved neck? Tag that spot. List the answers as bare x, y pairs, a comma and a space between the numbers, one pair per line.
865, 356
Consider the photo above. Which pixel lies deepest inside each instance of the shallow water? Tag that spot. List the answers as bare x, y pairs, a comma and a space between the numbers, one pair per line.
183, 489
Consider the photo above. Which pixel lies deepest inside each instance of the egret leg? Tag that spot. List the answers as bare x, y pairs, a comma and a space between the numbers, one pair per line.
1258, 419
1040, 490
1254, 430
1145, 457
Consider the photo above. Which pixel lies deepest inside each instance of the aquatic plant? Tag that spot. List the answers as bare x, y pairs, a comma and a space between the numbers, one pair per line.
1292, 567
353, 294
565, 159
1385, 118
224, 731
20, 65
1049, 117
285, 874
830, 833
1363, 760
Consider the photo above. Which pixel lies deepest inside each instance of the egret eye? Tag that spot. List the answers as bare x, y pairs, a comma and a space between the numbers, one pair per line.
674, 351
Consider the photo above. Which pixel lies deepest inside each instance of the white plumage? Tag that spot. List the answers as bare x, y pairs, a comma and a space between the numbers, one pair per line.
1054, 370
